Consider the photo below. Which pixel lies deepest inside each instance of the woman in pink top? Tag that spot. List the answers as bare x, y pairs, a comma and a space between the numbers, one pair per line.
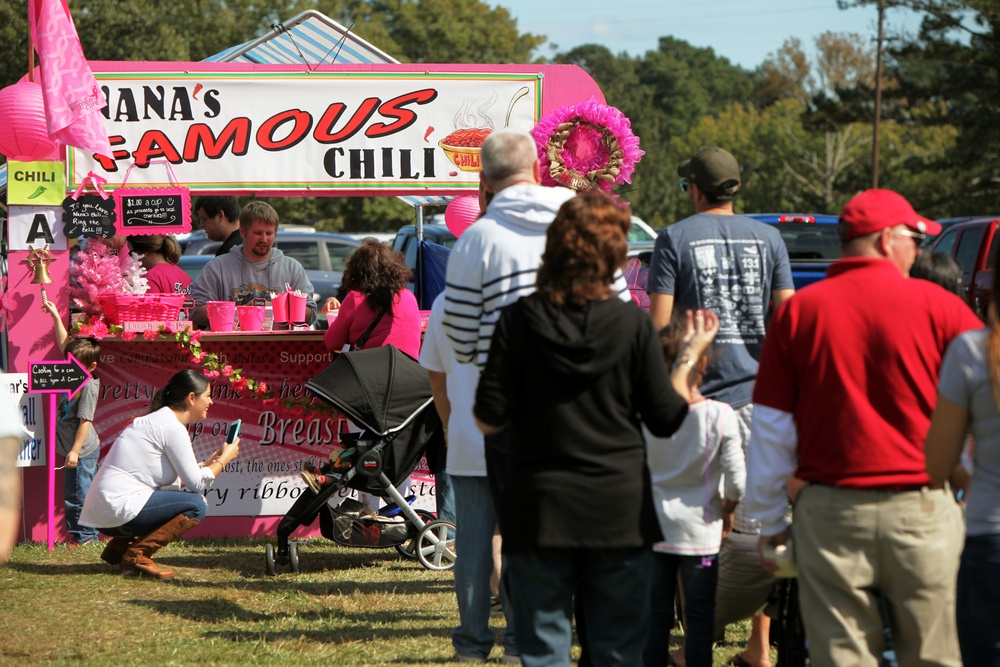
160, 254
375, 279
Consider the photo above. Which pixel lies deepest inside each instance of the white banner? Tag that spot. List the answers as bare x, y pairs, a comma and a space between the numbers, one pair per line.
32, 427
35, 227
306, 132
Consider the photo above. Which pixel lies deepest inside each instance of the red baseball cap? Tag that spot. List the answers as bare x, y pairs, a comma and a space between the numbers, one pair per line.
874, 210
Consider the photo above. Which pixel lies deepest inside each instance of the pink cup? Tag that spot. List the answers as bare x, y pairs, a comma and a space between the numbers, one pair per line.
296, 308
279, 304
220, 315
251, 317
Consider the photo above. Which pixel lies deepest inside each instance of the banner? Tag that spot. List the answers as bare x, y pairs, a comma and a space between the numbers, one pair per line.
308, 132
32, 427
275, 441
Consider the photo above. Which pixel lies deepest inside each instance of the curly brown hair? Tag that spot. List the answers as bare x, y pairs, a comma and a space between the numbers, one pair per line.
377, 271
584, 247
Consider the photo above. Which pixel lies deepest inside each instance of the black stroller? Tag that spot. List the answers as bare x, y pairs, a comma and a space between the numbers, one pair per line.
386, 393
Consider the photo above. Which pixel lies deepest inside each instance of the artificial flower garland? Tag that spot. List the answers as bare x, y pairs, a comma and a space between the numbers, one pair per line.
211, 367
586, 146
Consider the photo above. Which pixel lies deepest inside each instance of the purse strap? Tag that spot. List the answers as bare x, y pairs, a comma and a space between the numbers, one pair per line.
363, 338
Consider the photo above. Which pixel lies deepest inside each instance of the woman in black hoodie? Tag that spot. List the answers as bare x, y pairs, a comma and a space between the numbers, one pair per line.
572, 370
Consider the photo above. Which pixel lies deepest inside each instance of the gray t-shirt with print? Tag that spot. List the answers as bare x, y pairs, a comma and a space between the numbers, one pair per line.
83, 406
728, 264
965, 380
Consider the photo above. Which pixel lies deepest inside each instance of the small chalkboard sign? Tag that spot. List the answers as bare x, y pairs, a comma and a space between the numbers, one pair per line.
153, 211
89, 217
53, 377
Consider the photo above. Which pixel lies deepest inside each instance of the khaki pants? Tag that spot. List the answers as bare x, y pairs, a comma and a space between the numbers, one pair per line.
852, 547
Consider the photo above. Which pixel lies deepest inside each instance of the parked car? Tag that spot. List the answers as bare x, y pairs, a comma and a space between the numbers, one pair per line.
193, 264
971, 244
198, 243
811, 240
321, 254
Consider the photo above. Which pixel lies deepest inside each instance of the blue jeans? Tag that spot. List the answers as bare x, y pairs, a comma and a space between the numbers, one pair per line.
444, 496
161, 507
979, 601
76, 483
698, 578
476, 521
613, 590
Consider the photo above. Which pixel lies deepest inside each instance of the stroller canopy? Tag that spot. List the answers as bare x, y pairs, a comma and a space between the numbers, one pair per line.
380, 389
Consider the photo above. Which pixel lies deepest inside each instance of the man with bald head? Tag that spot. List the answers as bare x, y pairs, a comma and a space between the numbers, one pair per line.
492, 265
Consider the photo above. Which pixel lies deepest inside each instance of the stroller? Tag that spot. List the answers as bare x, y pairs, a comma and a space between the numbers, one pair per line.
386, 393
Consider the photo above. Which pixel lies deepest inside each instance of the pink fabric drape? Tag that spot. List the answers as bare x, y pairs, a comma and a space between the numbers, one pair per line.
73, 100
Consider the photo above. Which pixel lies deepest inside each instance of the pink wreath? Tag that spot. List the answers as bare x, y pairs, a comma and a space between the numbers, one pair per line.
587, 146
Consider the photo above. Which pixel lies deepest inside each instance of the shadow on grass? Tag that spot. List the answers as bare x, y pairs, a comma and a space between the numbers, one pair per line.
370, 625
62, 569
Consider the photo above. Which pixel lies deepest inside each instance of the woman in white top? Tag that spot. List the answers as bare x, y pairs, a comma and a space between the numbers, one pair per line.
127, 499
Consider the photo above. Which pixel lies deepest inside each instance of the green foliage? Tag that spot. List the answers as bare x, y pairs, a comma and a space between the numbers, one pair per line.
801, 129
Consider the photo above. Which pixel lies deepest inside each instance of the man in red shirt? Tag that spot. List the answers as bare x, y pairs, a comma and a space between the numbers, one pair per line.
846, 387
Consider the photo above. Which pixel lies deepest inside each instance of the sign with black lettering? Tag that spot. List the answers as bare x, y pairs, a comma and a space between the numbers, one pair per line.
53, 377
143, 211
89, 217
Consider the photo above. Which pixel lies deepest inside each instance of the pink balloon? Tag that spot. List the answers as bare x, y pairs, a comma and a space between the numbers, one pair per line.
24, 136
461, 212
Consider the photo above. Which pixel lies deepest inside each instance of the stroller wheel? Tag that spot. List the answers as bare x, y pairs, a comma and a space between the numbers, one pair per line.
269, 565
408, 548
436, 545
293, 557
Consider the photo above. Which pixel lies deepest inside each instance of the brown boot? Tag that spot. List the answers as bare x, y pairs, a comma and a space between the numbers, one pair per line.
137, 558
116, 548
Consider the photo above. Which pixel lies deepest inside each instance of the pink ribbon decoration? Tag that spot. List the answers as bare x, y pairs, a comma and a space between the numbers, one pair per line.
166, 163
73, 100
96, 180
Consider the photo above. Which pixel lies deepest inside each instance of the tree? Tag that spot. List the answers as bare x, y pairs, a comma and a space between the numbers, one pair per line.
439, 31
950, 72
785, 74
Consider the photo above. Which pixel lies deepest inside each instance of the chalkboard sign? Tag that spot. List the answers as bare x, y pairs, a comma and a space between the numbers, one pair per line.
153, 211
89, 217
51, 377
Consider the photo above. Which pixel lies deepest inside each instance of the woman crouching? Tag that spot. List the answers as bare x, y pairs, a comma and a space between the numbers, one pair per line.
127, 499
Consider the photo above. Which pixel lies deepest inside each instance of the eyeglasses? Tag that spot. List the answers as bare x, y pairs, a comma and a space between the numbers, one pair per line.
918, 237
685, 184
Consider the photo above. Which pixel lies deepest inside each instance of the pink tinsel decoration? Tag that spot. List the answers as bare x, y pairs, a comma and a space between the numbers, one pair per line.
584, 151
96, 271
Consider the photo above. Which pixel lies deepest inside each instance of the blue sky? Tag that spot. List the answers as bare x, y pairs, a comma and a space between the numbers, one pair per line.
744, 31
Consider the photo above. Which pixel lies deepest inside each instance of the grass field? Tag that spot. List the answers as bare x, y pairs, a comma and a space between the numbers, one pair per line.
346, 607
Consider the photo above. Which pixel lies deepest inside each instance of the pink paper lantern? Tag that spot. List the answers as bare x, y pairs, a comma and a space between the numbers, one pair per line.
24, 134
461, 212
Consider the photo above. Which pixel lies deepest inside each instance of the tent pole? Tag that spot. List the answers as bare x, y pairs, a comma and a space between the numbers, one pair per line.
418, 280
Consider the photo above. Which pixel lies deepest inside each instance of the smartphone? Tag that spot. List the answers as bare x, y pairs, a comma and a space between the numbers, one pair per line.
234, 431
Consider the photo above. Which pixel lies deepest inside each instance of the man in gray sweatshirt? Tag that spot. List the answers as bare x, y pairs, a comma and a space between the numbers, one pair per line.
254, 269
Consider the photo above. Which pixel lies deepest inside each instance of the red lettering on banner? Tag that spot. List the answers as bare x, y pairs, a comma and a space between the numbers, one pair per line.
404, 117
110, 164
326, 123
155, 145
301, 123
235, 136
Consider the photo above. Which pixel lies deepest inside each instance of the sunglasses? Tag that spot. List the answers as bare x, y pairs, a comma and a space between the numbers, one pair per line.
685, 184
918, 237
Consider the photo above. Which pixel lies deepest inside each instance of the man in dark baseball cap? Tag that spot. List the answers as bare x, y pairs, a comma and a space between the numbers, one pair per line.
736, 267
714, 170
